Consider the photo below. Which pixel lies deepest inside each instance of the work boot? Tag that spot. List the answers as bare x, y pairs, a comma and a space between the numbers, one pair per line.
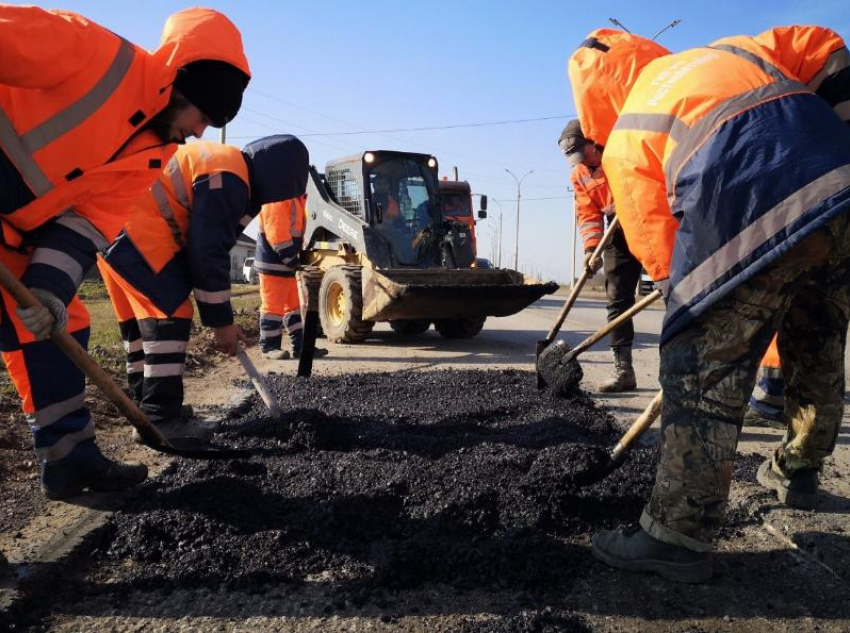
277, 354
623, 377
635, 550
180, 429
756, 419
69, 477
799, 491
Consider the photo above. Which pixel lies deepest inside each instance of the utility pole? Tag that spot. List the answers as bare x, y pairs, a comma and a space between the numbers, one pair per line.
518, 198
222, 134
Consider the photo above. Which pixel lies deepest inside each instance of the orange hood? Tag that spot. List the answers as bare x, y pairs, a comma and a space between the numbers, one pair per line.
199, 34
602, 72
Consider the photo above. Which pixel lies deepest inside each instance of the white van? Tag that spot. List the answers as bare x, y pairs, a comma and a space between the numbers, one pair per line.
249, 274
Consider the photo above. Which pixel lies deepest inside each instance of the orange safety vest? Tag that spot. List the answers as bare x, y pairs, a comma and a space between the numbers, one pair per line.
73, 97
594, 201
159, 222
712, 138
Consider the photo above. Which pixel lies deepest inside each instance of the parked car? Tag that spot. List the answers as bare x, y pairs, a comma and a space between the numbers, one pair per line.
249, 273
480, 262
646, 284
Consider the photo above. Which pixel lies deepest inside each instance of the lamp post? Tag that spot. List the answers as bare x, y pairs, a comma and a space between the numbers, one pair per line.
518, 198
498, 262
619, 24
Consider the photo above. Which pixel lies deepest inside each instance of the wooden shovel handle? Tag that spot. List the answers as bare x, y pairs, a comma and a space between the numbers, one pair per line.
637, 428
69, 345
597, 253
613, 325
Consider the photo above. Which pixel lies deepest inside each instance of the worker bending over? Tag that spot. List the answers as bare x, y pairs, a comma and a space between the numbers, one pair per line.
279, 243
730, 165
87, 121
594, 204
178, 243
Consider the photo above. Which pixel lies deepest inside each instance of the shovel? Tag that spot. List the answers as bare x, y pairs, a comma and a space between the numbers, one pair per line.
609, 462
597, 253
259, 383
184, 447
557, 366
311, 330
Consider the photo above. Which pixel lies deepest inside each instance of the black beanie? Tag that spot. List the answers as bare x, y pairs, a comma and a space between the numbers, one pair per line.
214, 87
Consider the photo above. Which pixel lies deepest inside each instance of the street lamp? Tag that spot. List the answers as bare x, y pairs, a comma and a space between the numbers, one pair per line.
518, 197
619, 24
498, 264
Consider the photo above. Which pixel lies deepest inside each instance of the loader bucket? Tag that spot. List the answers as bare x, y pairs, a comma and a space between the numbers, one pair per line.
441, 293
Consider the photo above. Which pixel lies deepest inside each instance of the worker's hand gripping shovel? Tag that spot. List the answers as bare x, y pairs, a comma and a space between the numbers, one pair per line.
186, 447
585, 275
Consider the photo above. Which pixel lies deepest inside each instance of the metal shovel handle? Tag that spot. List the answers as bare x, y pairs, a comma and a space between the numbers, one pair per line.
259, 383
585, 275
80, 357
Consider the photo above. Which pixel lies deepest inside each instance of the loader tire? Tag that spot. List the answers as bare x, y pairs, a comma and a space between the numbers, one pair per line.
341, 306
409, 327
460, 328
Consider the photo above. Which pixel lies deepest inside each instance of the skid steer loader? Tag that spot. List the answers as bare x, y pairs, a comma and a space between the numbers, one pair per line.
378, 248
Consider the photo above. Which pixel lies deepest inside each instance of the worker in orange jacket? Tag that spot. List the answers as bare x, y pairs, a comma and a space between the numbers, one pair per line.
594, 203
768, 400
730, 165
279, 243
178, 243
87, 121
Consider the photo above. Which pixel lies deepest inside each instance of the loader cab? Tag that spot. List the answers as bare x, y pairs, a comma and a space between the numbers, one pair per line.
456, 203
403, 204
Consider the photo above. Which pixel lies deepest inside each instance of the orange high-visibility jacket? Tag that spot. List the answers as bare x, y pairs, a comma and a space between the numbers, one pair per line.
73, 94
280, 237
723, 157
593, 203
179, 236
74, 100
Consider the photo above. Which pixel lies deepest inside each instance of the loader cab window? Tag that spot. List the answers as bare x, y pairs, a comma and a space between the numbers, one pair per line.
404, 207
456, 205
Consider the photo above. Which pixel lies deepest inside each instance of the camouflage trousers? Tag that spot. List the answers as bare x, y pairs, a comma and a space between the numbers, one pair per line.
709, 370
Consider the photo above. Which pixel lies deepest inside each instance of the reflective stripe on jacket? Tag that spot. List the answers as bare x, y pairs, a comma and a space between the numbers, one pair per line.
280, 237
706, 164
593, 202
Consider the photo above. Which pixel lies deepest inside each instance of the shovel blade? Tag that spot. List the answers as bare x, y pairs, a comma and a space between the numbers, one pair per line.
195, 448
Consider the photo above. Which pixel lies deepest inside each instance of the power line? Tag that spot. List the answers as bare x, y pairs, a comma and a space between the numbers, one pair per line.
431, 128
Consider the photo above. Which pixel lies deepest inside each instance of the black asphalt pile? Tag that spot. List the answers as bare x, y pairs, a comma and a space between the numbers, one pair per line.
387, 481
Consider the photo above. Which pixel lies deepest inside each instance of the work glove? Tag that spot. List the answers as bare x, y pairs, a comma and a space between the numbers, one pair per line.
46, 318
228, 337
591, 268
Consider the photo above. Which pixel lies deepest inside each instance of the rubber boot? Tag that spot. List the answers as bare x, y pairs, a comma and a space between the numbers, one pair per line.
798, 491
70, 476
754, 417
623, 376
638, 551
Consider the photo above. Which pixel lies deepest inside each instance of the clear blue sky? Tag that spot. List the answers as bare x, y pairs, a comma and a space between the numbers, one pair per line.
342, 66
